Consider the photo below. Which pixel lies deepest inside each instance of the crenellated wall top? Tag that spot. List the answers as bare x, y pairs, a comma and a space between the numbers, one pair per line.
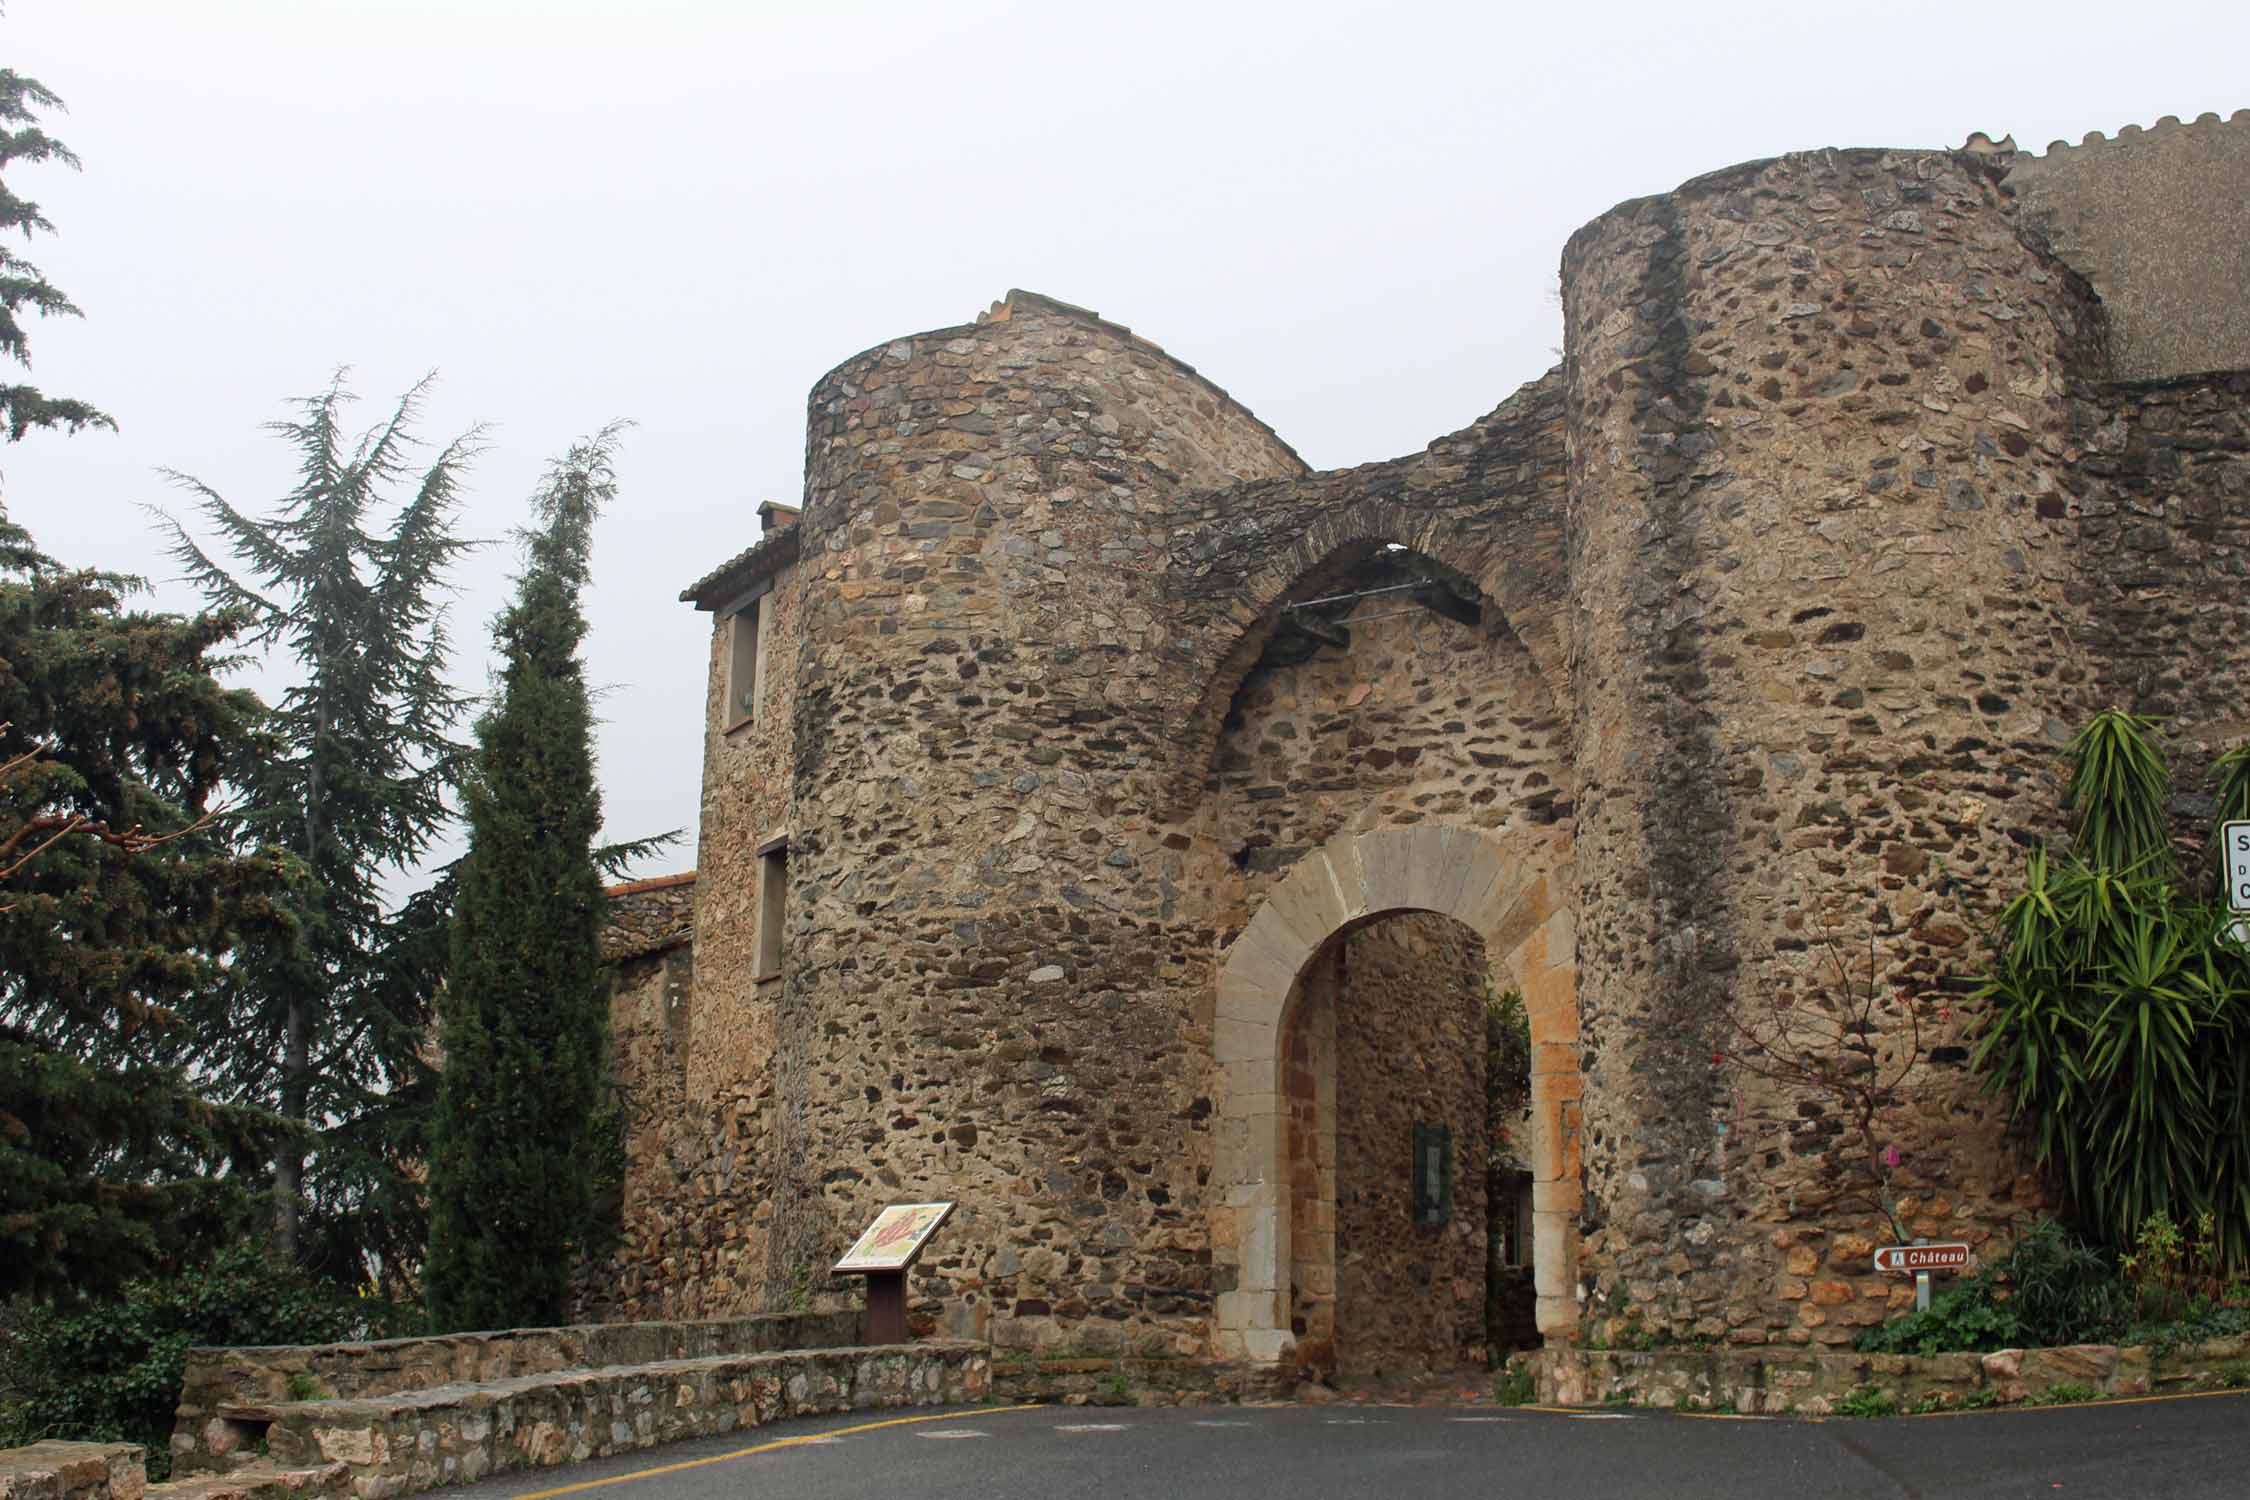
2158, 220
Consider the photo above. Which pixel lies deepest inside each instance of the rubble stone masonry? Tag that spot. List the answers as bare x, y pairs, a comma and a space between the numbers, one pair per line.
1725, 665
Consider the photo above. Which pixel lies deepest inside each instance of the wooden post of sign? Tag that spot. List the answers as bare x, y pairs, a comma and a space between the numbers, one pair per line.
885, 1319
884, 1254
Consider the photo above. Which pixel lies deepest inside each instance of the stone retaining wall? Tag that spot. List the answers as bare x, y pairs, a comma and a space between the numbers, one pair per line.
454, 1434
1106, 1380
72, 1471
202, 1441
1815, 1381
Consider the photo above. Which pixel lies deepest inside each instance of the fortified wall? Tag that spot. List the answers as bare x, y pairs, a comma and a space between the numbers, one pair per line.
1119, 828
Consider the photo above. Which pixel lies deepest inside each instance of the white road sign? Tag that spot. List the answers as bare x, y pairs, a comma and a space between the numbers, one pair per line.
2234, 838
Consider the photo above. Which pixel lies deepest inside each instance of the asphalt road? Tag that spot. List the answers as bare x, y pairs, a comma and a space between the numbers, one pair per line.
2188, 1448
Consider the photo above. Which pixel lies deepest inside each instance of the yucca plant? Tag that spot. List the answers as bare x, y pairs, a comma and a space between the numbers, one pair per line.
2232, 773
2118, 793
2115, 1012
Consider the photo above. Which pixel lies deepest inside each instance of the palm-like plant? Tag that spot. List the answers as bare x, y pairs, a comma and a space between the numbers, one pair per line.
2118, 793
2116, 1010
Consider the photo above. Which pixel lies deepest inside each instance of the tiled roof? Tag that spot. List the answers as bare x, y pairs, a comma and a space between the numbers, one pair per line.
658, 883
772, 552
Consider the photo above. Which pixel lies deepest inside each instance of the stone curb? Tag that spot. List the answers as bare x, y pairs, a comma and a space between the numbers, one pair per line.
1817, 1382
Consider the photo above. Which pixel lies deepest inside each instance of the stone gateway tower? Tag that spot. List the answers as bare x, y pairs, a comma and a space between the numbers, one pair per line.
1114, 826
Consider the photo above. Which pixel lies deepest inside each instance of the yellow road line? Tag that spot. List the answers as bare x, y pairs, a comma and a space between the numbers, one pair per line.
787, 1442
2016, 1408
1986, 1411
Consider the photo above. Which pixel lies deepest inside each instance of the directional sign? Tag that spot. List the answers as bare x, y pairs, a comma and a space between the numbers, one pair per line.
1922, 1258
2234, 838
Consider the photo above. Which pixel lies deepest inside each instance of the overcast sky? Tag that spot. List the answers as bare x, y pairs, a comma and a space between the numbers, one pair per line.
682, 212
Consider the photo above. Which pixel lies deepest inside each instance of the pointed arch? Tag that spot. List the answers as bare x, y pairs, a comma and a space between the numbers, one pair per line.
1307, 562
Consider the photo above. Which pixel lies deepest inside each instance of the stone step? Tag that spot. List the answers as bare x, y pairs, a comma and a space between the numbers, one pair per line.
465, 1430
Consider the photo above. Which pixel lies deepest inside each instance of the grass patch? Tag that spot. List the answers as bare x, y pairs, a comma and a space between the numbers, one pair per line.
2065, 1393
1866, 1401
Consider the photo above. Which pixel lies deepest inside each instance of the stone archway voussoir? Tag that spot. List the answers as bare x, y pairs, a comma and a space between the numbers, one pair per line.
1249, 999
1433, 867
1308, 904
1386, 860
1515, 914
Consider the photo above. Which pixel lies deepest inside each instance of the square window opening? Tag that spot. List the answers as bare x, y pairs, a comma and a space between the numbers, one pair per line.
744, 638
773, 898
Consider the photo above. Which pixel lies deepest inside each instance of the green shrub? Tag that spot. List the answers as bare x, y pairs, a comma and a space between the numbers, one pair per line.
2199, 1322
2117, 1017
2064, 1393
2050, 1289
2061, 1289
2054, 1289
1514, 1386
110, 1371
1866, 1401
1966, 1317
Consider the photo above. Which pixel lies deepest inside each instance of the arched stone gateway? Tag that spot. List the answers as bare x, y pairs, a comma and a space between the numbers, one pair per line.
1516, 900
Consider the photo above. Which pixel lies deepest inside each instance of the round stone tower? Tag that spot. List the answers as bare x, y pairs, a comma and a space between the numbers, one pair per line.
983, 906
1821, 664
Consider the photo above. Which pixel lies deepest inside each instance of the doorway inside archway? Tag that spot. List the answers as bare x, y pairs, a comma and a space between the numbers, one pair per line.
1399, 1153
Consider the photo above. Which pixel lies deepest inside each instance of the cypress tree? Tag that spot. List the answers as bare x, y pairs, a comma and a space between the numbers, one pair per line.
526, 1005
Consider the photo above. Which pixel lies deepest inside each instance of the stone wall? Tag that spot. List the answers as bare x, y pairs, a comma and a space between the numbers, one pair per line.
731, 1044
72, 1471
648, 916
667, 1145
1824, 658
993, 994
267, 1374
456, 1434
692, 1019
1817, 1382
1386, 1035
2161, 506
1415, 717
2159, 221
1410, 1005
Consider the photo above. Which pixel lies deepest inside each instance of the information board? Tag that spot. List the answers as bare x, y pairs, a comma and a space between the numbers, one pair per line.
895, 1238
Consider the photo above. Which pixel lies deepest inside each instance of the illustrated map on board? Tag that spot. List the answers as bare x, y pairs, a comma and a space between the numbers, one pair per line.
895, 1238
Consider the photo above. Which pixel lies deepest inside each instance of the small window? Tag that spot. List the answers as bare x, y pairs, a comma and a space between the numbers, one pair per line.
1433, 1175
1510, 1220
744, 659
773, 900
